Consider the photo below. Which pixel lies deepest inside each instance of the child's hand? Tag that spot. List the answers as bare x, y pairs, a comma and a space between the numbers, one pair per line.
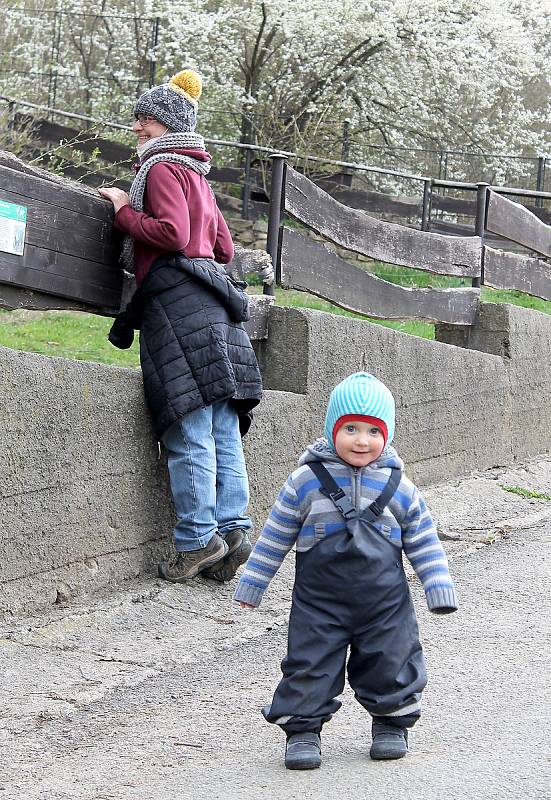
245, 605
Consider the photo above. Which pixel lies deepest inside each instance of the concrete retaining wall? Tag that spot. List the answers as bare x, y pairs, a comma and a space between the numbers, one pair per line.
84, 495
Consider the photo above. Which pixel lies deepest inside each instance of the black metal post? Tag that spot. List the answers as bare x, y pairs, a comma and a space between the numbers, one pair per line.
345, 152
52, 56
480, 225
11, 121
246, 190
445, 166
346, 174
57, 46
427, 198
275, 213
153, 59
540, 180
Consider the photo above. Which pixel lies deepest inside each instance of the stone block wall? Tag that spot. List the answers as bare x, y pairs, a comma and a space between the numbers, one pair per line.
83, 488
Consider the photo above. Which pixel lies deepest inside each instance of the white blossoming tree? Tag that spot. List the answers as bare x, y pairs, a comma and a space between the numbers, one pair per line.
425, 74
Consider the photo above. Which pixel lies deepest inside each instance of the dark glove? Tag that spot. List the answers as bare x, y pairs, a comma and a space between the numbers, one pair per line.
245, 420
121, 334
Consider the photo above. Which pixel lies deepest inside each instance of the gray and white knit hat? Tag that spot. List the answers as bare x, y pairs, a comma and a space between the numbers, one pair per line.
173, 103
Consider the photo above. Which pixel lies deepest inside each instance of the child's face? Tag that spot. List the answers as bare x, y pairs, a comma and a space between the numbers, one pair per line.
359, 443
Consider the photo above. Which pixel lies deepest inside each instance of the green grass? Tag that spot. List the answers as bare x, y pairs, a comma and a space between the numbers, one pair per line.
528, 493
84, 336
68, 334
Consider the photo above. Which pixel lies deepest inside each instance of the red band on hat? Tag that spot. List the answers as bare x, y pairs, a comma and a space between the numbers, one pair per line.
379, 423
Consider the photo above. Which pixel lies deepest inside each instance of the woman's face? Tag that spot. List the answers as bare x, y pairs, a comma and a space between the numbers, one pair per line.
147, 128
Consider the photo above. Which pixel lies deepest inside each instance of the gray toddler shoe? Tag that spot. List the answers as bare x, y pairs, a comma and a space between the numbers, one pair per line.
388, 742
303, 751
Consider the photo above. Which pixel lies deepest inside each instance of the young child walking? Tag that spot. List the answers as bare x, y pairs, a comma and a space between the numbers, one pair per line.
350, 512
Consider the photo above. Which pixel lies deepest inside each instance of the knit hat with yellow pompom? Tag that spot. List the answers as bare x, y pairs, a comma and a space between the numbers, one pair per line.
174, 104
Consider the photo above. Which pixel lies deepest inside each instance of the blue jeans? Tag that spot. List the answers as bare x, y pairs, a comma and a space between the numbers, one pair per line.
207, 475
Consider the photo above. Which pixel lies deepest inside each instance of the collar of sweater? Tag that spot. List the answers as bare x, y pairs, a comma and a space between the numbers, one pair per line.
321, 451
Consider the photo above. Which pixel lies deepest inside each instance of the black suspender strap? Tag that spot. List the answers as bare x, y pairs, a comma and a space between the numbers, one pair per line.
330, 488
372, 512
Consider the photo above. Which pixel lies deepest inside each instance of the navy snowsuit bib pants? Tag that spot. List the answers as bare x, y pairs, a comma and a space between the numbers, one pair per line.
350, 592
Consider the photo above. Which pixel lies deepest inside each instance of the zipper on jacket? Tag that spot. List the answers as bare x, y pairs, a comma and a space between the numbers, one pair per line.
356, 480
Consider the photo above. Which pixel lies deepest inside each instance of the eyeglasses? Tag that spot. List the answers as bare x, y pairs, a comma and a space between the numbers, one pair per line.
145, 119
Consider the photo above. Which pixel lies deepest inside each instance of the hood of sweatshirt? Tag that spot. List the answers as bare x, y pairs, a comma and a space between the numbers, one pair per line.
228, 291
320, 451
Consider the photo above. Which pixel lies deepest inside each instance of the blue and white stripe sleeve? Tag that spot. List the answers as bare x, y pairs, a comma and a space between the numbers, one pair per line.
427, 557
276, 540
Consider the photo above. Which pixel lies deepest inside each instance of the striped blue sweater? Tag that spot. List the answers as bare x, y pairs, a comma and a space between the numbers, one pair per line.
302, 515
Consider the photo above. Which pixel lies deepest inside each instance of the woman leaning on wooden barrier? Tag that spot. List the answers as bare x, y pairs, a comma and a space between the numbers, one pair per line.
200, 373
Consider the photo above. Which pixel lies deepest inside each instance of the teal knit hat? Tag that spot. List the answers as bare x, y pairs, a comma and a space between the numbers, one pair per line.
360, 395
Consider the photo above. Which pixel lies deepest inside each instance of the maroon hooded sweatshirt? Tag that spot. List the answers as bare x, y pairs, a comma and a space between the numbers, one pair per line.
179, 215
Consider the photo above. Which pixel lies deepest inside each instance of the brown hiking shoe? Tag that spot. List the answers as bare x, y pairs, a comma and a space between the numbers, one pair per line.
184, 566
239, 549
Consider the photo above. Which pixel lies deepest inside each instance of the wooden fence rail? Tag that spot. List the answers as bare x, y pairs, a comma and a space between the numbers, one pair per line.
412, 207
310, 266
71, 250
515, 222
70, 254
380, 240
524, 273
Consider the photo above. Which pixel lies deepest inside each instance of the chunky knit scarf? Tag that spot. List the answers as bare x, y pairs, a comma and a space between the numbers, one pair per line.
161, 150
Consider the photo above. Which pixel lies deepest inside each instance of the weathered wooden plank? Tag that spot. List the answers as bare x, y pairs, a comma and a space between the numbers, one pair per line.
310, 266
515, 222
60, 192
383, 241
453, 205
541, 213
13, 297
467, 208
460, 230
84, 141
66, 231
59, 274
94, 179
376, 202
225, 175
513, 271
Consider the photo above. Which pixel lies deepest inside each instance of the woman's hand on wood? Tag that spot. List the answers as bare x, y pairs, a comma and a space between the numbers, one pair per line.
116, 196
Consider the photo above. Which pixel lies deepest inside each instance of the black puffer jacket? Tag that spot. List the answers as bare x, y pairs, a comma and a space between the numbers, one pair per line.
193, 349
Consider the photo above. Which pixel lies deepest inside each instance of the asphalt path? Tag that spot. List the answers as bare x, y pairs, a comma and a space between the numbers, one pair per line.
193, 729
